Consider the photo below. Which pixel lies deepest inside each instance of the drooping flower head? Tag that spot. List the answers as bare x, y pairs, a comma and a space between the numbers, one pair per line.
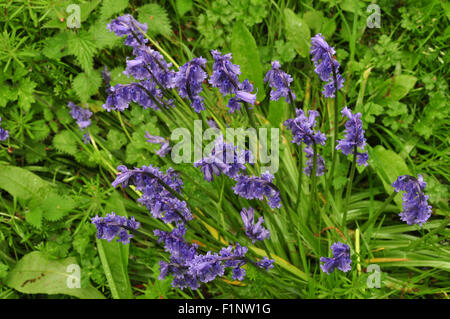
4, 134
188, 81
326, 65
415, 203
354, 137
115, 225
252, 230
127, 25
224, 158
320, 164
82, 116
225, 76
165, 146
302, 128
340, 260
280, 83
255, 187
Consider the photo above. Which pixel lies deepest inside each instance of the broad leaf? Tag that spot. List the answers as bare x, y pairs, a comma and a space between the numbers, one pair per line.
297, 32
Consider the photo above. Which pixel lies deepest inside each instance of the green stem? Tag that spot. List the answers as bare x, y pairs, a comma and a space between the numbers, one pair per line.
123, 125
349, 187
374, 217
335, 126
300, 175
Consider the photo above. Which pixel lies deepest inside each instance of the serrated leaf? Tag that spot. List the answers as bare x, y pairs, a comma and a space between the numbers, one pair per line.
246, 55
34, 217
102, 37
56, 46
36, 154
86, 84
35, 273
25, 93
156, 18
65, 142
39, 130
83, 47
111, 7
55, 206
116, 139
297, 32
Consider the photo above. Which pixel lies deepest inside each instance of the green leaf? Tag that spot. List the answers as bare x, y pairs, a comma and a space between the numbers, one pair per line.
116, 139
82, 45
56, 206
102, 37
246, 55
34, 217
111, 7
297, 32
183, 6
36, 274
20, 183
114, 256
277, 112
56, 46
25, 93
86, 84
403, 83
65, 142
156, 18
389, 166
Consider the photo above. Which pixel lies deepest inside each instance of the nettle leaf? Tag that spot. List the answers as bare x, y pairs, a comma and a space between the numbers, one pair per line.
56, 46
102, 37
65, 142
39, 130
156, 18
112, 7
82, 45
297, 32
34, 217
35, 273
87, 84
55, 206
183, 6
246, 55
87, 7
36, 154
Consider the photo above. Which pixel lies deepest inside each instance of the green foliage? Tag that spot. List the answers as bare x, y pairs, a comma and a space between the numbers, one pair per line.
156, 18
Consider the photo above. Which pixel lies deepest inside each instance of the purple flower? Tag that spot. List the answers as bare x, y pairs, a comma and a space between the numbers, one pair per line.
280, 83
325, 63
354, 137
188, 81
341, 259
320, 164
114, 225
415, 206
127, 25
256, 187
82, 116
4, 134
224, 158
225, 77
252, 230
302, 128
165, 146
265, 263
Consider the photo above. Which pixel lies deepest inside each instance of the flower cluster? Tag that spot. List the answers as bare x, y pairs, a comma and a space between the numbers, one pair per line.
302, 128
320, 162
252, 230
126, 25
340, 260
354, 137
224, 158
255, 187
165, 146
225, 77
188, 81
326, 66
83, 118
415, 206
280, 83
4, 134
115, 225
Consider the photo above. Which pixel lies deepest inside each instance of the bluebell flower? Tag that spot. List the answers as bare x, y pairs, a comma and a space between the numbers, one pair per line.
252, 230
320, 164
188, 81
280, 83
225, 158
4, 134
354, 137
225, 77
255, 187
114, 225
302, 128
126, 25
325, 64
265, 263
415, 203
165, 146
82, 116
340, 260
